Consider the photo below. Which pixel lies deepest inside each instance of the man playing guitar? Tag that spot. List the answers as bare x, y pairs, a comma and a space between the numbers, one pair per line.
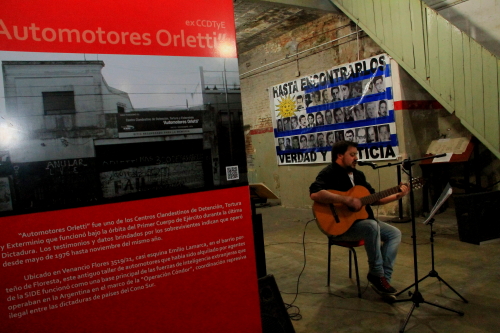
381, 239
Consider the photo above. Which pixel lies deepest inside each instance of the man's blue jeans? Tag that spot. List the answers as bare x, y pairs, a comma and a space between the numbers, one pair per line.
381, 244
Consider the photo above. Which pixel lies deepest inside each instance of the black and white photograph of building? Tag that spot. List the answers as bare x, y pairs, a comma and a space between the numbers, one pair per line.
80, 129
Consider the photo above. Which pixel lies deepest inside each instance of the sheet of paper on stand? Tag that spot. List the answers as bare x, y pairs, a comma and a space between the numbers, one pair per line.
455, 146
442, 198
441, 159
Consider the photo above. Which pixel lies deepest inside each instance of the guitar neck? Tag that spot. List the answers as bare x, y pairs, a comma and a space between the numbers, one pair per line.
370, 199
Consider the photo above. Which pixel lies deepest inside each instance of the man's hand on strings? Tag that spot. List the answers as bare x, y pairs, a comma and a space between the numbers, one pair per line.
404, 190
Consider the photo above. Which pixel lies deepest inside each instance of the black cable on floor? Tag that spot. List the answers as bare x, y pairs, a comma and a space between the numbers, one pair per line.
294, 315
297, 315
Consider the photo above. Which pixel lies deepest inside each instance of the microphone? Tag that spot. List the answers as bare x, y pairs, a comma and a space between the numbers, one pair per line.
361, 163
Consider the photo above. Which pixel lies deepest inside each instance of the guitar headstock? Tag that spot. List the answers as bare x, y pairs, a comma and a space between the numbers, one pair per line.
417, 183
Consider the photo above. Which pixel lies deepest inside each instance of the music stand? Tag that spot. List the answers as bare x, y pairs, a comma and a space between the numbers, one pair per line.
430, 221
416, 297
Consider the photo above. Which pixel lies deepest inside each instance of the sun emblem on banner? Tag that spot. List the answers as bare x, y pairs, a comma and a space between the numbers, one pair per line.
286, 107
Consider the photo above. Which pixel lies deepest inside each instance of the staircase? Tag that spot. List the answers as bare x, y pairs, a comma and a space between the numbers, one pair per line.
457, 71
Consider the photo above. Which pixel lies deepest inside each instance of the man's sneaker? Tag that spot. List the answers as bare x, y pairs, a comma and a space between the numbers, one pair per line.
380, 285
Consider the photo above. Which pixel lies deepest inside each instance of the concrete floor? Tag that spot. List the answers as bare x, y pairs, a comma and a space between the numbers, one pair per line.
472, 270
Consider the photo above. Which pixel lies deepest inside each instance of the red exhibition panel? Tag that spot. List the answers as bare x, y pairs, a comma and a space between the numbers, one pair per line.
149, 248
156, 27
174, 264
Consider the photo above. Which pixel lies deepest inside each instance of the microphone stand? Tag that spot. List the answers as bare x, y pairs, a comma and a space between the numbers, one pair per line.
416, 297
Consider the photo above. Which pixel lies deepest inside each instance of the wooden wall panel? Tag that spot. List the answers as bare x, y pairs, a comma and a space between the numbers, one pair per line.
406, 34
458, 72
467, 80
498, 93
348, 4
433, 49
388, 27
445, 62
356, 9
417, 28
491, 98
369, 15
396, 27
362, 11
477, 87
379, 21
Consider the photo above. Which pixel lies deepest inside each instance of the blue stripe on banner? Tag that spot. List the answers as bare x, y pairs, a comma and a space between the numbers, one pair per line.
308, 150
351, 101
333, 127
386, 72
393, 142
388, 93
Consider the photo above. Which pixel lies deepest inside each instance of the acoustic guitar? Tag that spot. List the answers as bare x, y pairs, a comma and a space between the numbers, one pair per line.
336, 219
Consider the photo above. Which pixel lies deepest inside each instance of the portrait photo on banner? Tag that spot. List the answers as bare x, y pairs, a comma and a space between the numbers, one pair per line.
351, 102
